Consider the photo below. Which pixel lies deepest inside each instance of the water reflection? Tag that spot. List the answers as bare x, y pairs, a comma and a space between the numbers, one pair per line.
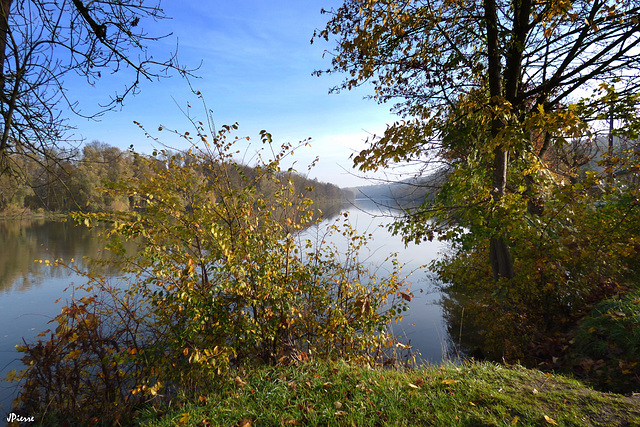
23, 241
28, 290
423, 326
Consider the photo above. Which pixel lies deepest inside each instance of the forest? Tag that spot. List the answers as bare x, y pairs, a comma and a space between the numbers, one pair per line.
48, 184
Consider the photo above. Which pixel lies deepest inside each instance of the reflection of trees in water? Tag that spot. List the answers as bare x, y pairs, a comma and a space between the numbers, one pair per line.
465, 333
330, 208
22, 242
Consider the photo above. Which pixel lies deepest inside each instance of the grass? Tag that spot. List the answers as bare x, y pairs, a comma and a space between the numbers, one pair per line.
341, 394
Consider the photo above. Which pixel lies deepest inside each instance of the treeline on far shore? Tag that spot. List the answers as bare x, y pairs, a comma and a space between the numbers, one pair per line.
73, 182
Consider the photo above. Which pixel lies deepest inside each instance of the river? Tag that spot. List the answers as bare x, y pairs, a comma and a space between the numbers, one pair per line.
28, 289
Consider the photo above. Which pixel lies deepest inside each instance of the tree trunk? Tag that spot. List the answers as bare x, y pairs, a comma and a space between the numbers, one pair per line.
499, 253
5, 9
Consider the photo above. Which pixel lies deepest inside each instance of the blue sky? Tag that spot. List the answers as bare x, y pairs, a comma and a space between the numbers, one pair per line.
256, 70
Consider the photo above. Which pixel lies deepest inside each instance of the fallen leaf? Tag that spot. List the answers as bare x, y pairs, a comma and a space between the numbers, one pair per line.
338, 405
515, 420
413, 385
184, 418
534, 391
449, 381
419, 382
550, 420
244, 422
240, 382
340, 413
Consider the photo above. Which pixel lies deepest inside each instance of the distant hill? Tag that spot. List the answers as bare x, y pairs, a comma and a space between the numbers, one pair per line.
410, 191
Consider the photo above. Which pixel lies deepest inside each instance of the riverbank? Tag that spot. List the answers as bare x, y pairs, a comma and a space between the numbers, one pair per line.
337, 393
28, 214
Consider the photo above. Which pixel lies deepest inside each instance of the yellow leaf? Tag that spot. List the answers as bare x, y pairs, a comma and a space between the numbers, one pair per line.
155, 389
73, 354
11, 376
413, 385
550, 420
184, 418
449, 381
515, 420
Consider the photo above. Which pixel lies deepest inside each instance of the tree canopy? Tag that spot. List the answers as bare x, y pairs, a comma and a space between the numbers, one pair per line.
487, 87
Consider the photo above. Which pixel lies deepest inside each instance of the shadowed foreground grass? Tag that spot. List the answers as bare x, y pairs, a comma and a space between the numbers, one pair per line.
337, 393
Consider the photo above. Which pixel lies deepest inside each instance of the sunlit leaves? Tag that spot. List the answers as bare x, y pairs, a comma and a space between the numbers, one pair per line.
220, 276
500, 135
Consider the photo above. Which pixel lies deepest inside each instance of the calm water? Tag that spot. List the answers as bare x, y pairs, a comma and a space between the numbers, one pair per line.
28, 289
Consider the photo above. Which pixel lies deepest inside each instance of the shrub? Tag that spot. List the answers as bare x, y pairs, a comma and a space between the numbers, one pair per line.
582, 250
607, 344
220, 278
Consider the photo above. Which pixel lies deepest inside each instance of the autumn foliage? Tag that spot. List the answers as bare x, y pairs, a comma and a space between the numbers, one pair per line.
583, 250
221, 278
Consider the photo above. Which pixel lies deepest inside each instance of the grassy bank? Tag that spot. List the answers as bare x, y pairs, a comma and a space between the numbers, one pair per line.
475, 394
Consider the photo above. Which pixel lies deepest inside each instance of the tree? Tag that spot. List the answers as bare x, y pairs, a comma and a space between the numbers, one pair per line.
500, 82
42, 42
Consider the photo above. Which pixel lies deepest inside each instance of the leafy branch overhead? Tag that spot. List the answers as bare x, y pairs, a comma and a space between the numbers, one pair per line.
488, 87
